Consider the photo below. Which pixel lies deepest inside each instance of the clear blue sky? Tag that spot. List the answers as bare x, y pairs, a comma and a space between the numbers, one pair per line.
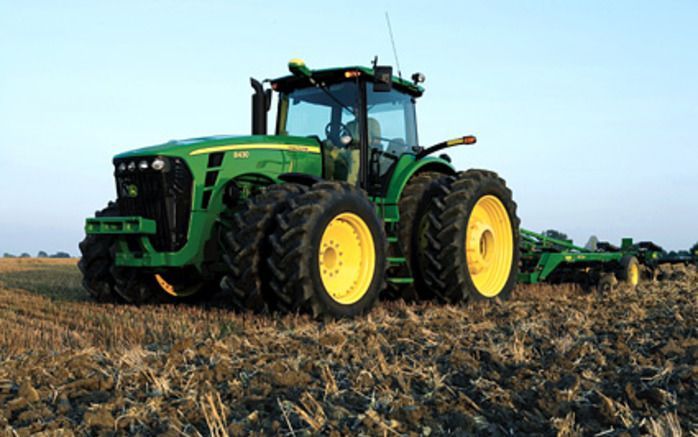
589, 109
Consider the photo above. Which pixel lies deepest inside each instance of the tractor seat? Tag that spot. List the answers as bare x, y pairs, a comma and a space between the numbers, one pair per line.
352, 158
374, 132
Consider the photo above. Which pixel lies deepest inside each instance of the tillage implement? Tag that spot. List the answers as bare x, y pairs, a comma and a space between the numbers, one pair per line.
551, 260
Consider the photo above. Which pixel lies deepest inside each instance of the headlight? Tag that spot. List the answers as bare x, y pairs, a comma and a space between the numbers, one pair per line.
132, 166
143, 165
158, 164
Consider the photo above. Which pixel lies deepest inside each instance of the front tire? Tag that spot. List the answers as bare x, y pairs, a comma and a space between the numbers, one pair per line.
473, 238
328, 253
97, 261
170, 285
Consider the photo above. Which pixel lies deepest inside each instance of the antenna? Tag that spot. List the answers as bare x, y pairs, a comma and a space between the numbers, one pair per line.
392, 41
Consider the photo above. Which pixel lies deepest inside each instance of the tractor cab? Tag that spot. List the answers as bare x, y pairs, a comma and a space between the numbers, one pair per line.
364, 119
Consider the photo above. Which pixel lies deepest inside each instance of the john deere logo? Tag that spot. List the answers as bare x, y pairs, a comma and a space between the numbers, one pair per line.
132, 190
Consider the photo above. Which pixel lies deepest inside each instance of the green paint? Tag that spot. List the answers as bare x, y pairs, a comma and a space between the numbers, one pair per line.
120, 226
400, 281
255, 162
132, 191
298, 68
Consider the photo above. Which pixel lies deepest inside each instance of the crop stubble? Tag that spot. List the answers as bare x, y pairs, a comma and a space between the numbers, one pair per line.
552, 360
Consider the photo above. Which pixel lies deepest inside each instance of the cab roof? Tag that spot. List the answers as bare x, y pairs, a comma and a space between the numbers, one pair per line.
338, 74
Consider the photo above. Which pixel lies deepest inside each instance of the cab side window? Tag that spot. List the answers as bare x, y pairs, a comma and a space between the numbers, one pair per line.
391, 127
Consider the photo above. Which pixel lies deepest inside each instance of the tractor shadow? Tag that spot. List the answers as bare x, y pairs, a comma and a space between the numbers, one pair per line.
64, 284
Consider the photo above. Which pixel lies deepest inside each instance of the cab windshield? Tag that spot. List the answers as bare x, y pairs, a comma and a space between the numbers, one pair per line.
332, 117
313, 112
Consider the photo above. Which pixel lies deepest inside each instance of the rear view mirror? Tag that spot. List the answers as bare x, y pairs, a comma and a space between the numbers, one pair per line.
383, 78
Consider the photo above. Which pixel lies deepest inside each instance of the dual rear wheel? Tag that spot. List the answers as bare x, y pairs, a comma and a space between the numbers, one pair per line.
466, 243
322, 252
329, 253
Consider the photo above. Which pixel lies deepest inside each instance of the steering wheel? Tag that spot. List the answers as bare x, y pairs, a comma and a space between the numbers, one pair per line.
342, 132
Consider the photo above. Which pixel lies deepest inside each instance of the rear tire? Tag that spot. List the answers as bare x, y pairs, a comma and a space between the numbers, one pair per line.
328, 253
246, 247
414, 205
473, 238
97, 261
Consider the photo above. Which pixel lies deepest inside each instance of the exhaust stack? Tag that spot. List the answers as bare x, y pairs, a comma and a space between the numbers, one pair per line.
261, 100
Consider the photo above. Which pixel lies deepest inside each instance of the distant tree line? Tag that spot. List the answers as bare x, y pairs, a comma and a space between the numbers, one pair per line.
693, 251
552, 233
41, 254
679, 253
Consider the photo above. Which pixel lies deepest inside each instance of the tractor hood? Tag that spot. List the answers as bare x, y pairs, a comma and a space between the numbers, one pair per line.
212, 163
223, 143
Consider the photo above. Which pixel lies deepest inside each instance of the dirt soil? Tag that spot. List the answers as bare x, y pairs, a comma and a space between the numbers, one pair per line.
552, 360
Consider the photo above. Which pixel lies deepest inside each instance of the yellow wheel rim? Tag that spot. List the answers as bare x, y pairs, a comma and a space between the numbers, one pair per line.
347, 258
634, 274
489, 246
170, 289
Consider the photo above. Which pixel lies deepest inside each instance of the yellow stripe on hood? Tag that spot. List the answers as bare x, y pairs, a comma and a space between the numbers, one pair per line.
287, 147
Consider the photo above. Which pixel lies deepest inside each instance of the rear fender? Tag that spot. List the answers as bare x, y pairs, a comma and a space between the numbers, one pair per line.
404, 173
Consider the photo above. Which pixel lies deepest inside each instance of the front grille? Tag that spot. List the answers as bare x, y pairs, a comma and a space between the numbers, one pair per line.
161, 195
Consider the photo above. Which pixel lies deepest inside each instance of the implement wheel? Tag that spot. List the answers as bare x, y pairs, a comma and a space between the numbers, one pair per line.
607, 283
629, 271
246, 247
328, 254
473, 238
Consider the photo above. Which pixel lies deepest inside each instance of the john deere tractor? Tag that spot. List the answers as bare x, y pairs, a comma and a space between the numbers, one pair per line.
340, 206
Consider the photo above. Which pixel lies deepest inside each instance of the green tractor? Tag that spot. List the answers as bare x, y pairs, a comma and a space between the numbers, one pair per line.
340, 206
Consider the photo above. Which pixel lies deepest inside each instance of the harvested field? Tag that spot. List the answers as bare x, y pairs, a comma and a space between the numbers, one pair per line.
552, 360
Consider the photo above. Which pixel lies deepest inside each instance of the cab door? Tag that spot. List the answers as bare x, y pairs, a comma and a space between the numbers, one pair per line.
391, 131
